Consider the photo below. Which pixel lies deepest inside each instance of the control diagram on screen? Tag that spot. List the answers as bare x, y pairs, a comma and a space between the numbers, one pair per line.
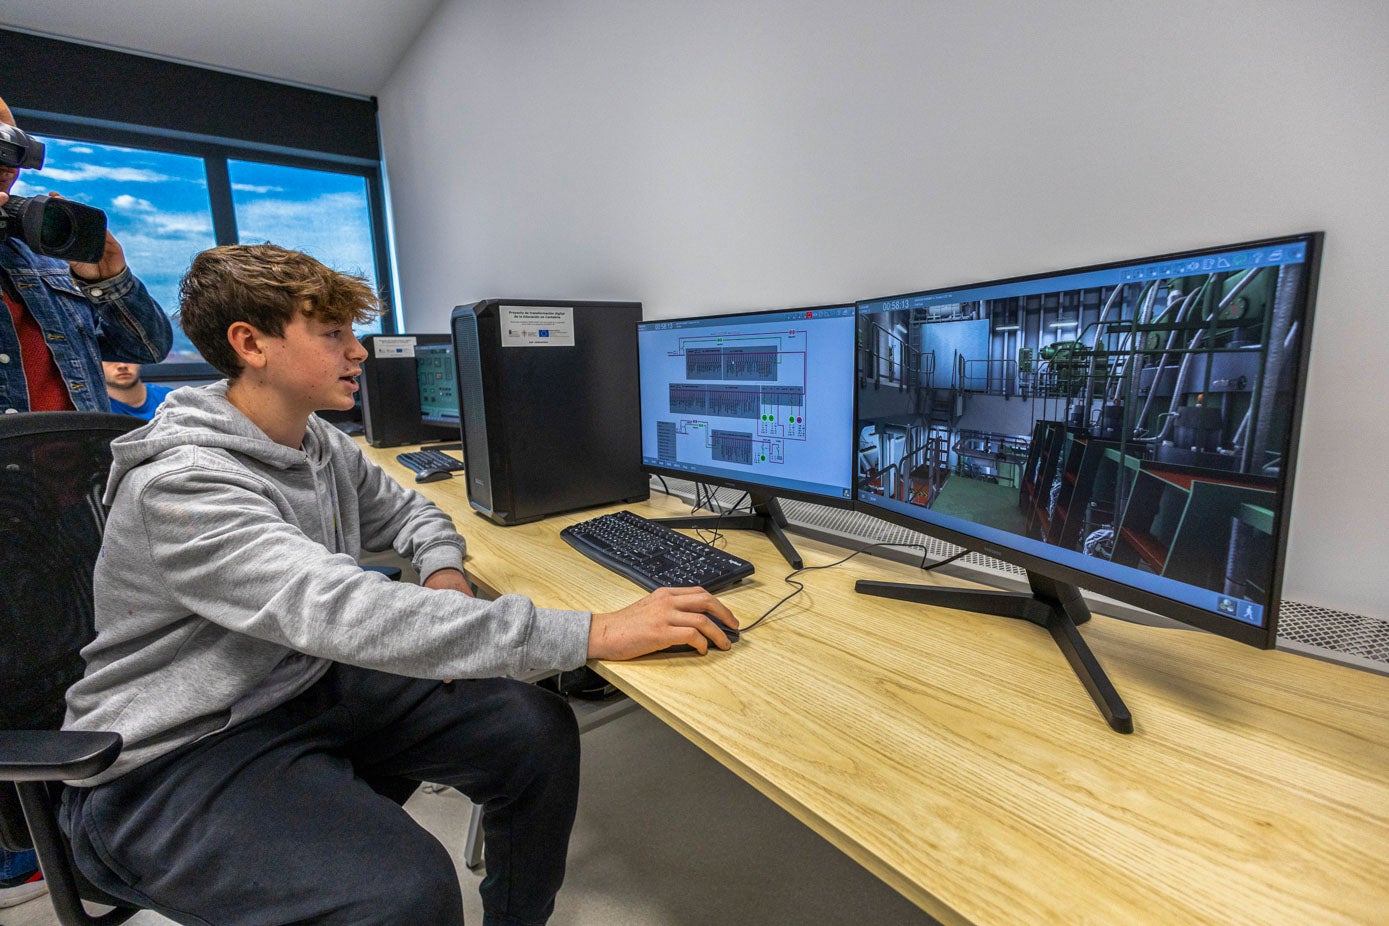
740, 398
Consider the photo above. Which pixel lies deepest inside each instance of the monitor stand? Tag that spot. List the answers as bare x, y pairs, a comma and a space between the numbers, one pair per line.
766, 517
1054, 605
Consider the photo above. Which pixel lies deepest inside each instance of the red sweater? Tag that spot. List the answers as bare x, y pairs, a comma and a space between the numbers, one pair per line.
48, 391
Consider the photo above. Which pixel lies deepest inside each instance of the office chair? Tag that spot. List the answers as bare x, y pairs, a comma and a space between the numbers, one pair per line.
53, 470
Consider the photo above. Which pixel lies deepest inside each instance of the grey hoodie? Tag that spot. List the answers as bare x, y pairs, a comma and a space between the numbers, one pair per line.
228, 581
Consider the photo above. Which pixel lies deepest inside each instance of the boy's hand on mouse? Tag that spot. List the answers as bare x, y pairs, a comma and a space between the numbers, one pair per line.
666, 617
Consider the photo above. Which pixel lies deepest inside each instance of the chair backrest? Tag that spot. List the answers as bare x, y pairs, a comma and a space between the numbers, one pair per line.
53, 471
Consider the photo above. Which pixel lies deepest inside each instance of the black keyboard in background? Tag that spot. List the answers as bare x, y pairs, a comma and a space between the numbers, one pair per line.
652, 555
421, 460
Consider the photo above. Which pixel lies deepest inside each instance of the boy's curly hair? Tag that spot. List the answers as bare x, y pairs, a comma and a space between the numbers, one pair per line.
263, 285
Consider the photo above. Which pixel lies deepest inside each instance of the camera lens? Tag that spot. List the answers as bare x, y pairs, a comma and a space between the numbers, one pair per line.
56, 231
58, 228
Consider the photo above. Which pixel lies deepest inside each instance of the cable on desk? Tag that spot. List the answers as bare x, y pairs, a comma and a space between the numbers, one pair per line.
790, 578
706, 497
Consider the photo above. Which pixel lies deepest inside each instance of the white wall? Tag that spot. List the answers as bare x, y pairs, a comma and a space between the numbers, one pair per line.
719, 155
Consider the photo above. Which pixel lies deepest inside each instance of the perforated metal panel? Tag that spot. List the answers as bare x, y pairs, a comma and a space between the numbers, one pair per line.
1357, 639
1339, 636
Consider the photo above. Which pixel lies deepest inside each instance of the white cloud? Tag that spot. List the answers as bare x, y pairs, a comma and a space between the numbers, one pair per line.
82, 149
182, 223
252, 188
160, 245
127, 203
333, 228
83, 172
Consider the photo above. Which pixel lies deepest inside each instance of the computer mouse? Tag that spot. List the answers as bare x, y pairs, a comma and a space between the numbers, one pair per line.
733, 637
432, 475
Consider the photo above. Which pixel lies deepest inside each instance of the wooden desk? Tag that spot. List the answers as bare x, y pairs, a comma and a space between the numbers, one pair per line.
957, 757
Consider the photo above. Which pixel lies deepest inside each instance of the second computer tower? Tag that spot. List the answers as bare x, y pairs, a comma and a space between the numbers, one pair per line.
548, 395
390, 392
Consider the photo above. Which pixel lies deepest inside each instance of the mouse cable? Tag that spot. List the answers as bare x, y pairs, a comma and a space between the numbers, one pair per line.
709, 499
723, 511
790, 578
704, 498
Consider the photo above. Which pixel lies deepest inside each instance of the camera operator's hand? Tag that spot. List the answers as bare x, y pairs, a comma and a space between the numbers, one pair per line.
4, 198
112, 260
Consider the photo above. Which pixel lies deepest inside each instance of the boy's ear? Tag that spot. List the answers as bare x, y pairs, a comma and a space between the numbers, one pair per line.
248, 342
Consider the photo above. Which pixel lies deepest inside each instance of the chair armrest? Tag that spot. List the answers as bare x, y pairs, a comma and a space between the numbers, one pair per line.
55, 755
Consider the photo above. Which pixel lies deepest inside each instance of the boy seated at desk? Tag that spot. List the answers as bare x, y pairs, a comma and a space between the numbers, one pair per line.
270, 691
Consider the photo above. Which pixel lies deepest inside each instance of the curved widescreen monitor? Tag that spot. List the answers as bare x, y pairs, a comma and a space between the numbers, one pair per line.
760, 401
1128, 427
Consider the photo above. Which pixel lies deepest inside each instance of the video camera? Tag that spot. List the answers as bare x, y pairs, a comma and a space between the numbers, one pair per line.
54, 227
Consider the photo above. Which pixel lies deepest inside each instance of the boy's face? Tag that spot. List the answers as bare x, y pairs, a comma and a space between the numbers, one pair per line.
315, 365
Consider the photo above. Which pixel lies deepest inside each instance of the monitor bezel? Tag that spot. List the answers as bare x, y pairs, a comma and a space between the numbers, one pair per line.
750, 486
1264, 637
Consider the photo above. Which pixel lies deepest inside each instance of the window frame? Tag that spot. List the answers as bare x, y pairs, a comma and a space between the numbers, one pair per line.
215, 153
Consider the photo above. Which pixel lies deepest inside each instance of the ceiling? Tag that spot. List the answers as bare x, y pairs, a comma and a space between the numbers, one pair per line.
351, 46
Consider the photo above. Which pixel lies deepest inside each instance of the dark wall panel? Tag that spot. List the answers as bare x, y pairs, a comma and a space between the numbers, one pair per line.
54, 76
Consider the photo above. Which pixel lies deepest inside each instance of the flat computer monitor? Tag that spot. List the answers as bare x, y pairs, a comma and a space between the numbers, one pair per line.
438, 385
1129, 427
757, 401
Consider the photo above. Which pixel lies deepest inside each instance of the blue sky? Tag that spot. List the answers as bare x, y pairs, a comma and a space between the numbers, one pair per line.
157, 206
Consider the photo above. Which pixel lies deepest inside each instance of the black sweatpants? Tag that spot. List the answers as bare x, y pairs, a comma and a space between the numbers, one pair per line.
276, 820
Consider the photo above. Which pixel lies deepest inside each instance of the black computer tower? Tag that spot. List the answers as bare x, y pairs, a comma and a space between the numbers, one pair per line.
548, 395
390, 393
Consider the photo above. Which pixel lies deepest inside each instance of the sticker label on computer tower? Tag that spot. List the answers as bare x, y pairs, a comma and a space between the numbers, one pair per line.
537, 326
393, 347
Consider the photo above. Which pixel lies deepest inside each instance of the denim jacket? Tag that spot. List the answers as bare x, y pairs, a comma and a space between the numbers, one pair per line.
83, 323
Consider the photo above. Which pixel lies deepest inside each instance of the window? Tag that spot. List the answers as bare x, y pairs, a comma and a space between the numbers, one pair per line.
323, 214
156, 205
167, 198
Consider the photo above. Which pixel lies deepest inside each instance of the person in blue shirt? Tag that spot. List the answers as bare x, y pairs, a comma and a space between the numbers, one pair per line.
19, 878
130, 395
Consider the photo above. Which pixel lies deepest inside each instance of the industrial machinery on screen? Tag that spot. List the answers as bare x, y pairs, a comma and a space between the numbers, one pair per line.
1142, 422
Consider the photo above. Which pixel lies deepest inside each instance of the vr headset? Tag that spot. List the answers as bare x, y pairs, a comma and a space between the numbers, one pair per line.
53, 227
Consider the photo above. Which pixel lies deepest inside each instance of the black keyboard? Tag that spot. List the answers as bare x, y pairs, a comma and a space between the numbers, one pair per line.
421, 460
652, 555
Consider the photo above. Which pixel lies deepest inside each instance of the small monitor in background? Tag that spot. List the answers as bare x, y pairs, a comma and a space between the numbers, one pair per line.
438, 386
